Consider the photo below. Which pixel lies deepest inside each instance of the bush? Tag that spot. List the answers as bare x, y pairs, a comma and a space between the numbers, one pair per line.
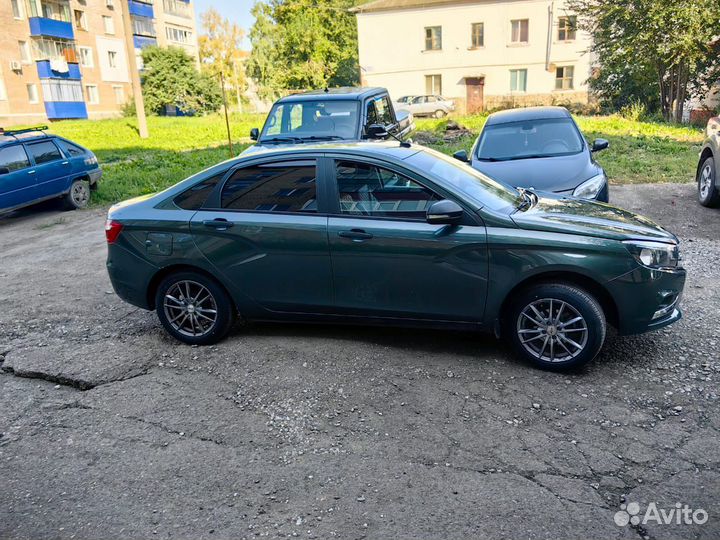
635, 111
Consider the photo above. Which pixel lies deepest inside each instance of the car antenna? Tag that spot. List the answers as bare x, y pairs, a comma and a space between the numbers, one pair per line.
403, 144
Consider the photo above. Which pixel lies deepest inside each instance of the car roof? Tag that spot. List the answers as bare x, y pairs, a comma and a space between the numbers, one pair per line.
342, 93
527, 113
7, 140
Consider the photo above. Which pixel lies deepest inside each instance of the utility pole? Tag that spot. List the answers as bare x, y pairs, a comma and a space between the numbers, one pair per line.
134, 73
227, 119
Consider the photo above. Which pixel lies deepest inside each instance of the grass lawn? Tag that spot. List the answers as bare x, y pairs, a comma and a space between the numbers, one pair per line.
640, 152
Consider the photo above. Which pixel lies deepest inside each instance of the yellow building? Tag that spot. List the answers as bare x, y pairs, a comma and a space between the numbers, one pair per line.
67, 58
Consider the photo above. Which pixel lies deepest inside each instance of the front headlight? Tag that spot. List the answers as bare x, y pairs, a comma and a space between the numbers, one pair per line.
654, 254
589, 189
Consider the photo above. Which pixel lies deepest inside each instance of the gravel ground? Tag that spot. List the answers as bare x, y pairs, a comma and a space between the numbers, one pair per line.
109, 429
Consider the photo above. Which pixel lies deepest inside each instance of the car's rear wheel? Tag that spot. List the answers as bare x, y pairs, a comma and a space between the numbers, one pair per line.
556, 326
439, 113
194, 308
708, 194
78, 196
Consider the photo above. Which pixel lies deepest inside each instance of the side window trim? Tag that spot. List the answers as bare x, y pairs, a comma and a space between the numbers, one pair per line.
214, 200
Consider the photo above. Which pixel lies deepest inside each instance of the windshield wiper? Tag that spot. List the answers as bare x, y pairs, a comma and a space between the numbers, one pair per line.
322, 138
281, 140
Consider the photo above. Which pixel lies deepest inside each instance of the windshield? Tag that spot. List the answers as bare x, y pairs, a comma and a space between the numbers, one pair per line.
484, 190
529, 139
331, 119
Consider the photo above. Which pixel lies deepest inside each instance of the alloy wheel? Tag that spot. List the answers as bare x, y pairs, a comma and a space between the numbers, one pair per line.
706, 181
552, 330
80, 194
190, 308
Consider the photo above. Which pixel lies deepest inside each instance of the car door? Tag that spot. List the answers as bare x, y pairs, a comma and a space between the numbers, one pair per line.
17, 178
263, 233
388, 261
51, 168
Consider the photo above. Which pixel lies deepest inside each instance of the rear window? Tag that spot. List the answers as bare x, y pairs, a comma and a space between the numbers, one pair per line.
73, 149
195, 197
44, 152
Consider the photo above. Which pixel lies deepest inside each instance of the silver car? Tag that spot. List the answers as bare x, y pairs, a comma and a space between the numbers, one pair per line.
708, 171
436, 106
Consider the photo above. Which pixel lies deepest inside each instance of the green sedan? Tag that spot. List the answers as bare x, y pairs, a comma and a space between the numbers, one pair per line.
388, 234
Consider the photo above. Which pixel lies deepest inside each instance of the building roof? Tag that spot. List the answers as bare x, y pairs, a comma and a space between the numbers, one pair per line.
527, 113
388, 5
343, 93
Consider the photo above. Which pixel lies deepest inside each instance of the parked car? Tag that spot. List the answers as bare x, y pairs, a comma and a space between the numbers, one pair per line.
436, 106
402, 102
378, 233
334, 114
709, 165
36, 166
540, 148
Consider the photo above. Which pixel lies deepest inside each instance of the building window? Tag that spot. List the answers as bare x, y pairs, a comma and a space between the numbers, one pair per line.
112, 59
59, 90
433, 85
178, 35
80, 19
564, 77
567, 28
32, 92
433, 38
86, 57
519, 29
25, 55
50, 9
108, 24
119, 92
518, 80
91, 91
177, 8
17, 8
143, 26
477, 35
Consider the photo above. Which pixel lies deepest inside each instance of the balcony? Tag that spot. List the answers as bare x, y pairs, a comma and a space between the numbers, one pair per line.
141, 42
141, 9
178, 8
50, 18
62, 110
143, 26
46, 71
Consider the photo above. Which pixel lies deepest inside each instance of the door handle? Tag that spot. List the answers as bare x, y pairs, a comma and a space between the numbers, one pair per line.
31, 172
66, 163
355, 234
221, 224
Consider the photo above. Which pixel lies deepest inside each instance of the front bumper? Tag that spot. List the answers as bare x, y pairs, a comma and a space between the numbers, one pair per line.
647, 299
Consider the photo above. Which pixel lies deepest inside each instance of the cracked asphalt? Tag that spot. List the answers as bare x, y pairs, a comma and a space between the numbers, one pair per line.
109, 429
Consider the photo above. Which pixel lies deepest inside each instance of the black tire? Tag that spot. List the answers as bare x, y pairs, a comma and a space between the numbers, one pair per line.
78, 196
439, 113
559, 332
708, 193
200, 310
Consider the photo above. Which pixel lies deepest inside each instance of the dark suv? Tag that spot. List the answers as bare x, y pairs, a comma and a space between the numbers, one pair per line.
36, 166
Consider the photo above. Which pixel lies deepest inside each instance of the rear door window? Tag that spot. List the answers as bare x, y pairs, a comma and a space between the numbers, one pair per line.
275, 187
195, 197
14, 158
44, 152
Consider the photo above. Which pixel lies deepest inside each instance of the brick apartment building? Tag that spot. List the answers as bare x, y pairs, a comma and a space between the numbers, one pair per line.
64, 59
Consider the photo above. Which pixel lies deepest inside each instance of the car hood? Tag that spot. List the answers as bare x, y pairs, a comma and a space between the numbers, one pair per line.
560, 173
555, 213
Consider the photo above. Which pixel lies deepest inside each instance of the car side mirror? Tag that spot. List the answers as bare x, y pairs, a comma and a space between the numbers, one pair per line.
4, 170
377, 131
461, 155
254, 134
599, 144
444, 212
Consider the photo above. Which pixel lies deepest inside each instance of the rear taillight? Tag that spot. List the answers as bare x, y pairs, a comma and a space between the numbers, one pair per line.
112, 230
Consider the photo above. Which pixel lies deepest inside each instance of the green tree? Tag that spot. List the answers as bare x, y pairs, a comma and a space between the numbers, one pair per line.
171, 77
221, 52
301, 44
671, 45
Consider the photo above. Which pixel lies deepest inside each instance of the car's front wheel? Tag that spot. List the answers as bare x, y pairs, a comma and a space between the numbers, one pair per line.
708, 194
194, 308
78, 196
556, 326
439, 113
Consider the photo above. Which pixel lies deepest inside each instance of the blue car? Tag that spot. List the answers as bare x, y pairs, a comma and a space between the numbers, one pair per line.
540, 148
36, 166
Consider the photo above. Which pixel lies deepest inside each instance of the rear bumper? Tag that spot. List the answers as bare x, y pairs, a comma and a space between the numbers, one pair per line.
95, 176
647, 299
130, 276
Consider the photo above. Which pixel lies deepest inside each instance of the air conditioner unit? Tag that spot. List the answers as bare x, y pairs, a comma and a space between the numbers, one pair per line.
16, 65
110, 3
